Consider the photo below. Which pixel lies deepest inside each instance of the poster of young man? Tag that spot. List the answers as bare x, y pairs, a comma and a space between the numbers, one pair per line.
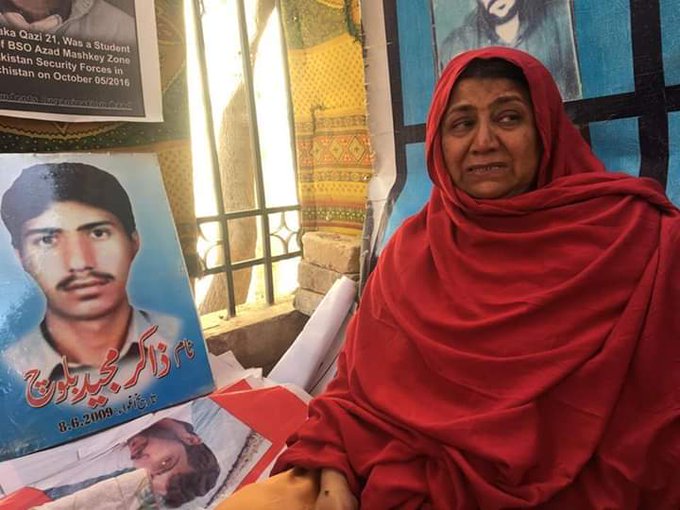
97, 321
543, 29
79, 60
195, 454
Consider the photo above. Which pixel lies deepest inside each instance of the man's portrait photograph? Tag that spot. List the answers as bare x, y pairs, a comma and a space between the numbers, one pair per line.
543, 28
193, 455
95, 307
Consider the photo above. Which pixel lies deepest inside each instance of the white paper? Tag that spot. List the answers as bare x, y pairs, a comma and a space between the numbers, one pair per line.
306, 357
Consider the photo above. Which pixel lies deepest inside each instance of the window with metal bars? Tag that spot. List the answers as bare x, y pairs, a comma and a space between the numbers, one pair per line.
247, 206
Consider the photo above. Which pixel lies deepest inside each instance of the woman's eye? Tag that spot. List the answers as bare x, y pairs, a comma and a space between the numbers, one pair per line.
461, 125
509, 119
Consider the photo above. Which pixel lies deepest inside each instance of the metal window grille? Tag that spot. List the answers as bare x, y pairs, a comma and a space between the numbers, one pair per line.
273, 222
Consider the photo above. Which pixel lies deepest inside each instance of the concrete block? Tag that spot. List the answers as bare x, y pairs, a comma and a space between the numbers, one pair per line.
257, 338
337, 252
319, 279
306, 301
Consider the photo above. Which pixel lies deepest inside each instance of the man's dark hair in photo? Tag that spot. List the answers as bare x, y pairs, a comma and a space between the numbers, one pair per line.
188, 486
185, 487
39, 186
529, 14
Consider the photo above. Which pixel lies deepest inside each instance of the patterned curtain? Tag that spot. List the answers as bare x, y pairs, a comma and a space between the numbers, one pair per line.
169, 140
329, 103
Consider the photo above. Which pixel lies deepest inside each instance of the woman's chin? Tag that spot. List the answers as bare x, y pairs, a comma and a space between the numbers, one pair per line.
490, 190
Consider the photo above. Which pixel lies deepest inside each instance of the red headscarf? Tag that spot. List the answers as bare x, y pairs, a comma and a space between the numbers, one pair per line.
514, 353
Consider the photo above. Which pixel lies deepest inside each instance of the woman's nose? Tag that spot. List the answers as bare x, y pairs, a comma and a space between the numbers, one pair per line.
485, 138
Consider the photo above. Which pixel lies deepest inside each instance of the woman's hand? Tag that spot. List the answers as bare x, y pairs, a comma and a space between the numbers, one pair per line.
334, 492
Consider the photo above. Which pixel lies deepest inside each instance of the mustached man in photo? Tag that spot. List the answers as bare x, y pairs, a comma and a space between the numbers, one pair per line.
73, 230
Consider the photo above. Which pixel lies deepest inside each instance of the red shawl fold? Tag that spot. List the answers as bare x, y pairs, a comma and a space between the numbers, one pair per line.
514, 353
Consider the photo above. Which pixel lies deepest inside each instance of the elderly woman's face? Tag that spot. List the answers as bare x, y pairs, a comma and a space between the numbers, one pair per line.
489, 139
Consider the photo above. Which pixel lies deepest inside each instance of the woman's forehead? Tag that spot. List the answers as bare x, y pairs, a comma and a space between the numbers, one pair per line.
487, 91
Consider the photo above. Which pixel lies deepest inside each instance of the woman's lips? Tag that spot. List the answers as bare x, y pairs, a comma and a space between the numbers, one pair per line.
483, 170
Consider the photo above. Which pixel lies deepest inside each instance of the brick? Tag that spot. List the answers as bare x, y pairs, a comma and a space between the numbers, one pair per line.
307, 301
337, 252
317, 278
258, 338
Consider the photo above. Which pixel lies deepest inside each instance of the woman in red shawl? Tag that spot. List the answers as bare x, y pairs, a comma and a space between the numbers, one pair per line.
518, 345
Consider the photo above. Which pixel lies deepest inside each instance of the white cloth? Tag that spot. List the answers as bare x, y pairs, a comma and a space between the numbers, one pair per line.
130, 491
